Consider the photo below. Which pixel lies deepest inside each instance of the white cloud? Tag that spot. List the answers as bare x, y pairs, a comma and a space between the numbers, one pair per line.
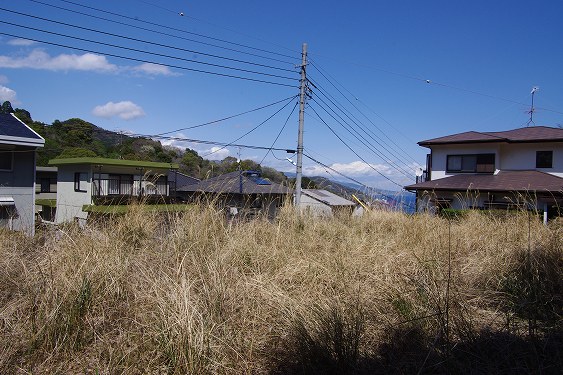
216, 153
7, 93
125, 110
154, 69
39, 59
21, 42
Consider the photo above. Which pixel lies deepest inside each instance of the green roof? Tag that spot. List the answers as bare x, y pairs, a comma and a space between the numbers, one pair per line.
114, 162
121, 209
46, 202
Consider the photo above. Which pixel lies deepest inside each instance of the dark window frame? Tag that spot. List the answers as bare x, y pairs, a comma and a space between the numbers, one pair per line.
544, 159
11, 160
45, 185
484, 163
78, 181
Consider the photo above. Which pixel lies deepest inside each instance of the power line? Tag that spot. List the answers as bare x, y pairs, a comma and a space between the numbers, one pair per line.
369, 147
357, 109
351, 149
161, 32
228, 117
168, 27
146, 52
251, 130
362, 128
141, 40
355, 180
432, 82
281, 130
149, 62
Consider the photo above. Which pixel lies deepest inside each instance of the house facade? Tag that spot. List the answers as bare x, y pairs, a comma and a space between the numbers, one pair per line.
46, 192
493, 170
91, 184
18, 145
241, 193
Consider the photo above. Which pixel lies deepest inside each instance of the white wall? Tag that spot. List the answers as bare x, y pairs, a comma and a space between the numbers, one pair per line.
70, 202
523, 156
440, 153
507, 156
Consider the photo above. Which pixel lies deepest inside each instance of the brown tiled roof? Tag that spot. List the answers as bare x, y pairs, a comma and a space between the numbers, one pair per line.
529, 134
230, 183
514, 181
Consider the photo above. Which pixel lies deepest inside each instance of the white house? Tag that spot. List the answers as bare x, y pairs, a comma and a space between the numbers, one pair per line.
91, 184
18, 144
494, 169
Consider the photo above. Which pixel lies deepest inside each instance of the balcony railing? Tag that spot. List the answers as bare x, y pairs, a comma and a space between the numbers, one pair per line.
102, 187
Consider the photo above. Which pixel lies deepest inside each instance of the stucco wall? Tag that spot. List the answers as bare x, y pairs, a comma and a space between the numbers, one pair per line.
19, 185
440, 153
507, 156
70, 202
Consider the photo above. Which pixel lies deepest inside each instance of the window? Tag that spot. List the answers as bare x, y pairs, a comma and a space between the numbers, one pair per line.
80, 180
6, 160
544, 159
473, 163
45, 185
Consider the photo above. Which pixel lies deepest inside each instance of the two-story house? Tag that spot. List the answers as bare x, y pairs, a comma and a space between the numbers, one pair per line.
494, 170
18, 144
92, 184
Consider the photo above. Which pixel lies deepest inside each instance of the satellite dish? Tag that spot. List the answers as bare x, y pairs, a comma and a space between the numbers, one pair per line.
418, 172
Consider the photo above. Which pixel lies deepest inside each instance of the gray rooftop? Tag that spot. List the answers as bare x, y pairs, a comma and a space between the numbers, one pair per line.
327, 197
15, 132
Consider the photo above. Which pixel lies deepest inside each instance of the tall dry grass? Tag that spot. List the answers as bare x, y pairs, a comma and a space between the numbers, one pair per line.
193, 293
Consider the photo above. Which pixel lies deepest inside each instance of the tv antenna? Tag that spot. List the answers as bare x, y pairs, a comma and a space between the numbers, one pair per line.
532, 109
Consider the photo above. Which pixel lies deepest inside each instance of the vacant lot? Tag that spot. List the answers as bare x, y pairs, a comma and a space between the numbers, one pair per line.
191, 293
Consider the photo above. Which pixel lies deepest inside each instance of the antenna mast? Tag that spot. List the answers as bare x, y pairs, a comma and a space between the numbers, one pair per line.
532, 109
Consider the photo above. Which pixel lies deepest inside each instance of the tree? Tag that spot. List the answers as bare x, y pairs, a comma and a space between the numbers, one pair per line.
6, 108
76, 152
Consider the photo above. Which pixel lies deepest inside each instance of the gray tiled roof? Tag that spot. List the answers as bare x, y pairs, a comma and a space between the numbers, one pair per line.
234, 183
514, 181
13, 131
529, 134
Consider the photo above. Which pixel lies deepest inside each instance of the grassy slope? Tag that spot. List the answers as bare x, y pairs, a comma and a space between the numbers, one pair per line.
294, 296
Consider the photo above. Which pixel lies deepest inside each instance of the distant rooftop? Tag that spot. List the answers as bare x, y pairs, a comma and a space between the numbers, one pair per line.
247, 182
14, 132
521, 135
113, 162
327, 197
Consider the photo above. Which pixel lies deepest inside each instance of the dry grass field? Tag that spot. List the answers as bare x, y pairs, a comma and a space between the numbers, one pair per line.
193, 294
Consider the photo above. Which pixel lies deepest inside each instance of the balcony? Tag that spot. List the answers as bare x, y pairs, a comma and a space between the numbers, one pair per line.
125, 189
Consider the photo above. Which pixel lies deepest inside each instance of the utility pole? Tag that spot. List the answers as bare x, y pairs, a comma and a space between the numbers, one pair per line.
302, 95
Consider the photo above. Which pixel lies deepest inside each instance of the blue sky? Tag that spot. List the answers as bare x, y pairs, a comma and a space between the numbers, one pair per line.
409, 70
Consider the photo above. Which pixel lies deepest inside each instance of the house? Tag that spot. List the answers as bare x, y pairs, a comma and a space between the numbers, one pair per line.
177, 179
46, 192
92, 184
494, 170
18, 144
243, 193
324, 203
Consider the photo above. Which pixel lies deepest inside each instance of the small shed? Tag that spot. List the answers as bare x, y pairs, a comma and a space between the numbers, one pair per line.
324, 203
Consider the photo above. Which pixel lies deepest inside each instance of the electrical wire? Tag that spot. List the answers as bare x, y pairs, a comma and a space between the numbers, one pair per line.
227, 118
141, 40
369, 188
353, 151
135, 19
375, 151
357, 109
146, 52
281, 130
362, 128
148, 61
250, 131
